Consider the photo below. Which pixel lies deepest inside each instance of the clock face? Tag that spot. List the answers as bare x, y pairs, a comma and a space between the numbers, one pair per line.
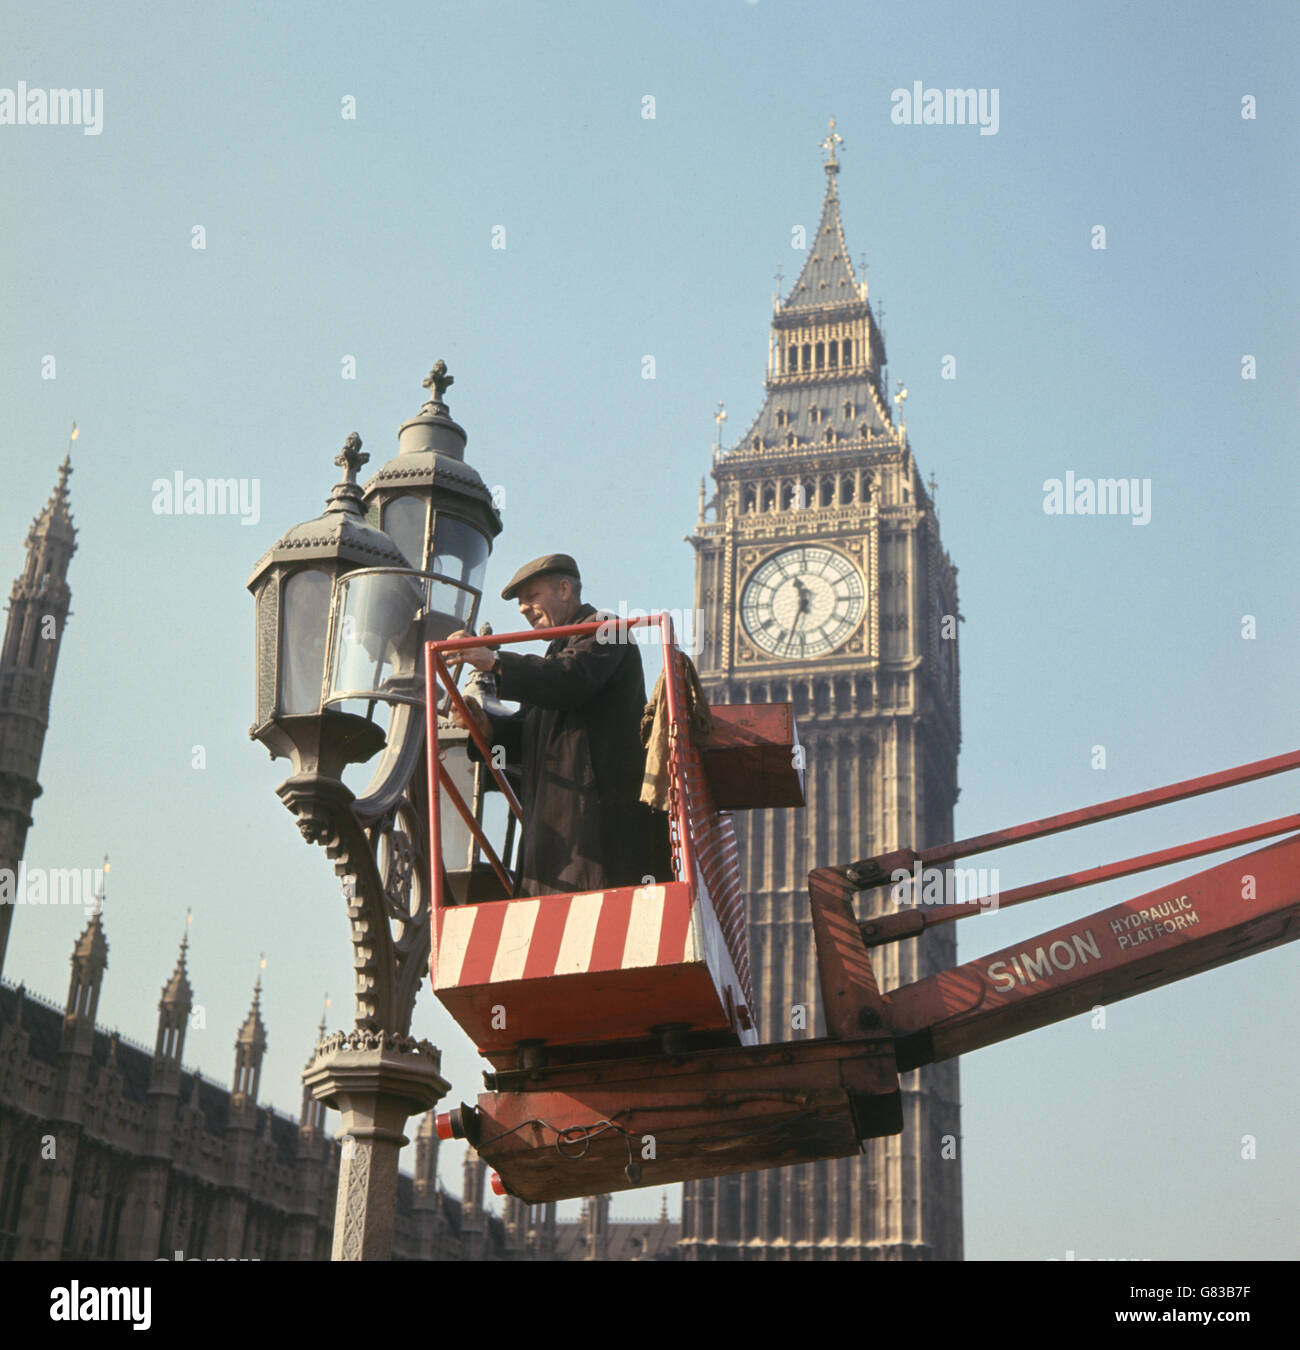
802, 602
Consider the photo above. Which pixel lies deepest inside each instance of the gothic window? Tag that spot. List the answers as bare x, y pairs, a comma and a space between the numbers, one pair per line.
828, 492
822, 698
750, 498
11, 1206
846, 488
807, 493
801, 700
781, 417
789, 440
814, 415
807, 355
848, 410
791, 359
835, 353
105, 1219
69, 1248
831, 436
821, 355
787, 495
769, 497
848, 351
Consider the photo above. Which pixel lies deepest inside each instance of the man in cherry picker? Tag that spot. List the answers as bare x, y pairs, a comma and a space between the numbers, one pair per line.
575, 742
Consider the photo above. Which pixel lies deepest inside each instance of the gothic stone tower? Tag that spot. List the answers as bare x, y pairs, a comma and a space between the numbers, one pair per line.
822, 582
38, 610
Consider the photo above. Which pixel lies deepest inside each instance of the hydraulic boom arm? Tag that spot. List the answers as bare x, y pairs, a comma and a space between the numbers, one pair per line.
1240, 907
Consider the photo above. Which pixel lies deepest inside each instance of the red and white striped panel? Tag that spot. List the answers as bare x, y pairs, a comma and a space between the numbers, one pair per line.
716, 855
509, 940
596, 966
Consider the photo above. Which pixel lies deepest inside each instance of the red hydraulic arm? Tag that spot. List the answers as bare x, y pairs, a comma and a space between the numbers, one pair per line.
1240, 907
1233, 910
581, 1128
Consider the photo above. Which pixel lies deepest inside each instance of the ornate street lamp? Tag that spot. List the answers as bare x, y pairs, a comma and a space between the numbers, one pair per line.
343, 611
292, 584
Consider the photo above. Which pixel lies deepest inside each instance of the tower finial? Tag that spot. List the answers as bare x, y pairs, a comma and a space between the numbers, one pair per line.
719, 418
101, 888
65, 469
827, 145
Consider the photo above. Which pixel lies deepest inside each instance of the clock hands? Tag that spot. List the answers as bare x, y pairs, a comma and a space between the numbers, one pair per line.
805, 607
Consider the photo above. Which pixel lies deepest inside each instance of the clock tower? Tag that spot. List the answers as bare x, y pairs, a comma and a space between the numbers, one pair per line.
821, 581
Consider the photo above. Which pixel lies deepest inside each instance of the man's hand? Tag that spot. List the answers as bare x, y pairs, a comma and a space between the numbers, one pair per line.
481, 719
481, 658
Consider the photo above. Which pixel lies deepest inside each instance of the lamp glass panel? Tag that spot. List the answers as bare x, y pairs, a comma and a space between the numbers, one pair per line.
378, 633
460, 552
456, 838
304, 627
404, 522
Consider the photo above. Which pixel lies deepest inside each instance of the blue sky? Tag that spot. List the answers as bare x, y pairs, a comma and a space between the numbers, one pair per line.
628, 236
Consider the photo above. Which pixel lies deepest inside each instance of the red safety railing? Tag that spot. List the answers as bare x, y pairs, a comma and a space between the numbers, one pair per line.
437, 673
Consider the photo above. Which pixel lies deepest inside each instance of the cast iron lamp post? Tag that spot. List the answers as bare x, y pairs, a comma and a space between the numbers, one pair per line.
344, 605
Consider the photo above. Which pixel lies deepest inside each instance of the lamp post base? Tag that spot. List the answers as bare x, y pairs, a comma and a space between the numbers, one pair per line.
375, 1080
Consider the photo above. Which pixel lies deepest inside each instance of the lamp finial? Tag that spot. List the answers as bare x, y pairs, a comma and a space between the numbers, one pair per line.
437, 382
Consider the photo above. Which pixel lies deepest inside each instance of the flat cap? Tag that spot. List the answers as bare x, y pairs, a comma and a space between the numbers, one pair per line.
551, 563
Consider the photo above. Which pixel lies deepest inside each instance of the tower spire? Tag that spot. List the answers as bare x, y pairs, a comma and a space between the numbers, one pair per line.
827, 277
250, 1045
38, 611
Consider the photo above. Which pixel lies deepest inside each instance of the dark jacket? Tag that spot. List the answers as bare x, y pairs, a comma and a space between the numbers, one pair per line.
577, 745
